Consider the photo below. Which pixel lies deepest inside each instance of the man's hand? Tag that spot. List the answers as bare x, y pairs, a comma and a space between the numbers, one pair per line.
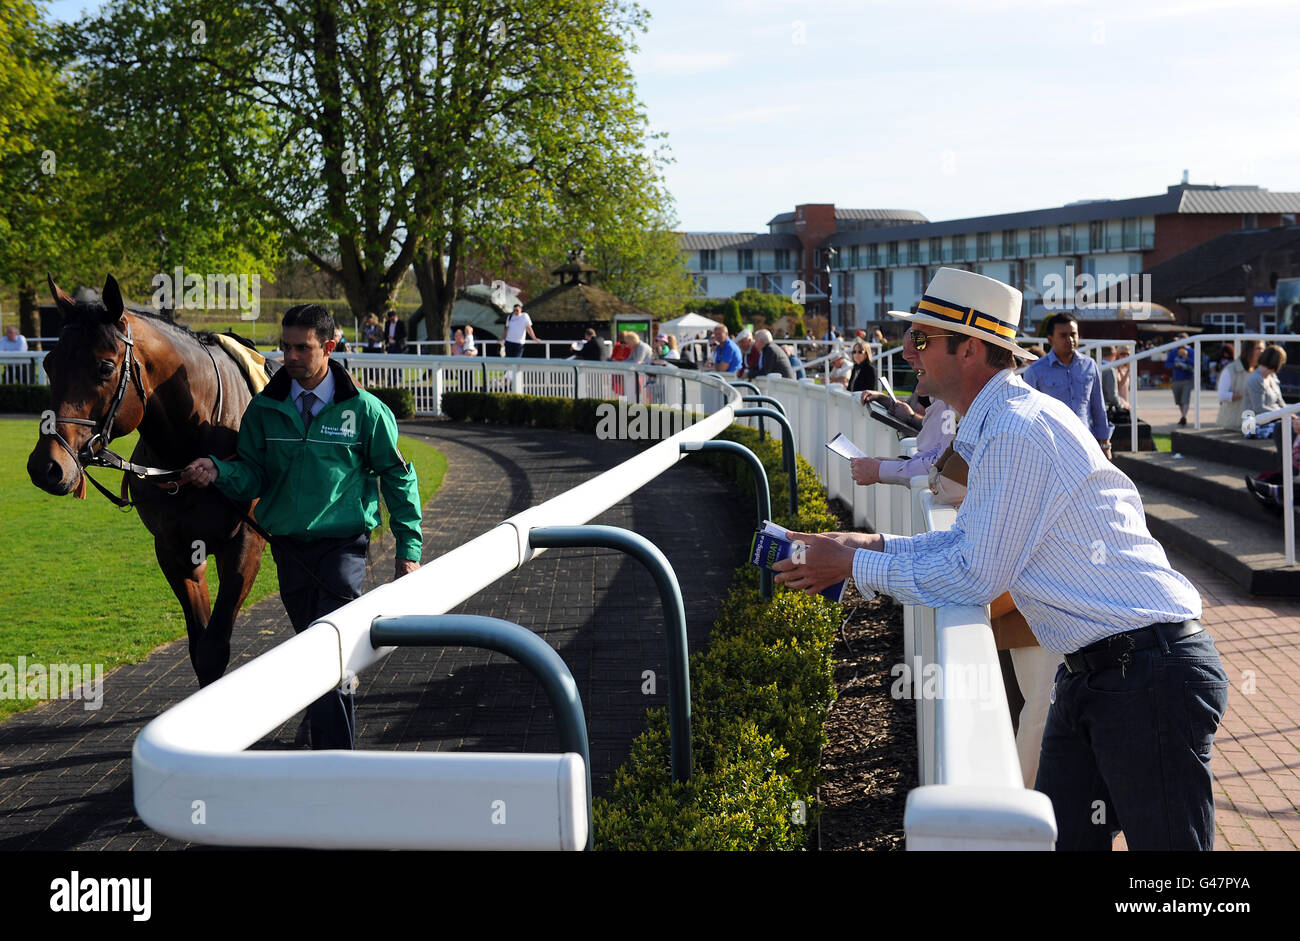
865, 470
1105, 449
200, 472
404, 567
822, 561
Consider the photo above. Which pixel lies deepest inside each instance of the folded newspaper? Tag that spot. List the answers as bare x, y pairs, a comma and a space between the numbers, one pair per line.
772, 544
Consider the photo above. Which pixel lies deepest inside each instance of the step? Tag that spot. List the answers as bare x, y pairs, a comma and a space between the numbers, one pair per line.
1212, 482
1246, 547
1227, 447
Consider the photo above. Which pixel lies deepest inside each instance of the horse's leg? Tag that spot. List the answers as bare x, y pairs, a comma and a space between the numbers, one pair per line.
190, 584
238, 560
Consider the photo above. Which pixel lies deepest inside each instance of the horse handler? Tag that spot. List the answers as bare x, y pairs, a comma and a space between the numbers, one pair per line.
314, 450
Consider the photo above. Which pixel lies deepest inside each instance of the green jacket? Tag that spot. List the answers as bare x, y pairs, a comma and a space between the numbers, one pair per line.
323, 482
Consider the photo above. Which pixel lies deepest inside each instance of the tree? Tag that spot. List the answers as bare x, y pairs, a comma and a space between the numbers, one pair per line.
731, 317
383, 135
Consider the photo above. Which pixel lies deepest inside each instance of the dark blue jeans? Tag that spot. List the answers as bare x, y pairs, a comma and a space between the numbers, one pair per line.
341, 565
1130, 750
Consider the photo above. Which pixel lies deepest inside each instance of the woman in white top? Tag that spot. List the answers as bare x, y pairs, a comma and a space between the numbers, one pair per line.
1232, 384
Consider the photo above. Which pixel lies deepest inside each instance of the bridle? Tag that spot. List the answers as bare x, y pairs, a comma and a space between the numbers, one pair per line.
103, 428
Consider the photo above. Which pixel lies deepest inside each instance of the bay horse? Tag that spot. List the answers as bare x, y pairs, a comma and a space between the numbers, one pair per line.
114, 371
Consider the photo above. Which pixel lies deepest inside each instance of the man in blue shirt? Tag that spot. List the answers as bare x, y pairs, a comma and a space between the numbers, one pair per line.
1073, 379
726, 358
1179, 361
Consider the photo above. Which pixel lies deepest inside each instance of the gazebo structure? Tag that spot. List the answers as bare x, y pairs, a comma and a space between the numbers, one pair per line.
566, 311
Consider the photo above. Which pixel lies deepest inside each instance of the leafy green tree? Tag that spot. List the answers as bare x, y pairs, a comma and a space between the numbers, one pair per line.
731, 317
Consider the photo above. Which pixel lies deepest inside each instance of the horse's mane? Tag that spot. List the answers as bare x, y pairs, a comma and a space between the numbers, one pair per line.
89, 316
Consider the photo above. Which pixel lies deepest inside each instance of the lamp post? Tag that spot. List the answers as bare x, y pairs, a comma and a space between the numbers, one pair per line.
830, 289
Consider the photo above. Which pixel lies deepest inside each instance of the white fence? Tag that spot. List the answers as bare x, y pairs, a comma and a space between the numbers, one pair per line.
194, 780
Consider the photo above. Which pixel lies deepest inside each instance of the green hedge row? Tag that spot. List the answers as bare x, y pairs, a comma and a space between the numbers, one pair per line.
19, 398
401, 401
759, 694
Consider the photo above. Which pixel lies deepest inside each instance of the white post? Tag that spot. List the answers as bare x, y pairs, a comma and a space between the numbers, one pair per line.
1196, 383
1288, 502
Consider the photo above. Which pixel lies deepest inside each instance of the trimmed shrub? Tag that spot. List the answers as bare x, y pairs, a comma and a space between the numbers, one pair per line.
518, 409
457, 405
401, 401
24, 398
552, 412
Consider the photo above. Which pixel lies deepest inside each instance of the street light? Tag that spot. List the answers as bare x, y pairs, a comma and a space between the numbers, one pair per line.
830, 254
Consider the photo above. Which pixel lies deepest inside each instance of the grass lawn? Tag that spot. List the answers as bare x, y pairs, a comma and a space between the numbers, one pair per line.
78, 579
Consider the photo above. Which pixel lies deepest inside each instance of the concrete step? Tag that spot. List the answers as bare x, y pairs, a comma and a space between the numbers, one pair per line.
1213, 482
1226, 447
1246, 547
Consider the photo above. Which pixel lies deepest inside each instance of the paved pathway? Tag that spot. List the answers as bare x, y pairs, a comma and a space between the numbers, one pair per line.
65, 778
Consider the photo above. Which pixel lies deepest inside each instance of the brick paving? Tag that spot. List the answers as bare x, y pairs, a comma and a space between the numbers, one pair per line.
65, 772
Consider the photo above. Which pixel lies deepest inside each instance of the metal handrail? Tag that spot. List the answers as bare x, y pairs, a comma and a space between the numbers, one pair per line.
1288, 476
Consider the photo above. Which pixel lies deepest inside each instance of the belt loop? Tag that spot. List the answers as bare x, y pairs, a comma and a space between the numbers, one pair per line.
1160, 635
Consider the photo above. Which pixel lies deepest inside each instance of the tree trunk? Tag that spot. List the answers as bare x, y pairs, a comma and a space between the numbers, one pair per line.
437, 294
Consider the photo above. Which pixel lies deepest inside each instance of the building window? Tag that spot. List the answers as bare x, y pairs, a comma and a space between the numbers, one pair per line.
1009, 243
853, 256
959, 248
1130, 233
1036, 240
708, 259
701, 285
873, 258
889, 281
745, 259
1268, 323
1223, 323
774, 284
914, 251
1097, 236
984, 244
1249, 220
936, 250
875, 282
844, 285
1065, 239
1031, 274
782, 259
753, 282
893, 253
916, 282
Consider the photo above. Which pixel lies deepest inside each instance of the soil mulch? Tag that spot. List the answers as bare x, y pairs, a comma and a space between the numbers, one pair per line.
870, 762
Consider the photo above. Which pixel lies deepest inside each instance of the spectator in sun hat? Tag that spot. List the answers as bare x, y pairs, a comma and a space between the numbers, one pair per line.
1048, 518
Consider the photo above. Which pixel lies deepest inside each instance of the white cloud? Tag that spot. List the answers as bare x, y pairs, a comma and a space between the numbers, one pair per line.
683, 63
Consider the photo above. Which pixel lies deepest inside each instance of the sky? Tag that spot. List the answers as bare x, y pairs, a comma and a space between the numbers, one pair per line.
959, 108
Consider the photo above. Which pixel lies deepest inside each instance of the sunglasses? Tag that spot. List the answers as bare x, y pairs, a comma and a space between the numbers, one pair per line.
921, 339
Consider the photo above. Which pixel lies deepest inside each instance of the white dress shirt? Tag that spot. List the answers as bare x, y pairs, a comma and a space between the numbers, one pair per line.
1047, 517
324, 393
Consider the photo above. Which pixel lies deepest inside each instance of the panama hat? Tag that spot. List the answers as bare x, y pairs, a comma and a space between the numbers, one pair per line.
971, 304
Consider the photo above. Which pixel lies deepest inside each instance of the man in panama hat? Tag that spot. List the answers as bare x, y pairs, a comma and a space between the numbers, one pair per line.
1046, 516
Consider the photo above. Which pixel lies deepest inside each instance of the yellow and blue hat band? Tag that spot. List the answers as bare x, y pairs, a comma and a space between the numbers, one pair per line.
966, 316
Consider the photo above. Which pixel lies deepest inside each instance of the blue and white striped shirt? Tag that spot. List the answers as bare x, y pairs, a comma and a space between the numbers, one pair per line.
1047, 517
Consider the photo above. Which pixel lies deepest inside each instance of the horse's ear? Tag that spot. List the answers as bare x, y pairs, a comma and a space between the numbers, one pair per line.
114, 307
61, 298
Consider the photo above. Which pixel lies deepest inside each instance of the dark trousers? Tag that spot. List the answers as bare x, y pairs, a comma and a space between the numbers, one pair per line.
340, 564
514, 350
1130, 749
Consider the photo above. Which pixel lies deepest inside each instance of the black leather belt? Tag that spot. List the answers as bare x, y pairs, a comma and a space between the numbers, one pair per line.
1114, 651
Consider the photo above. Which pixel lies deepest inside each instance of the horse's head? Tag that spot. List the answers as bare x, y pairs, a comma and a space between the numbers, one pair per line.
92, 370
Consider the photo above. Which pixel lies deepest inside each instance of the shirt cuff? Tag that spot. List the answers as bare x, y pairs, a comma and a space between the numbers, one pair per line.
870, 570
894, 545
891, 472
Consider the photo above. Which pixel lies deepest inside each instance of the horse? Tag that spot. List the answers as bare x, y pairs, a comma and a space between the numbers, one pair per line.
114, 371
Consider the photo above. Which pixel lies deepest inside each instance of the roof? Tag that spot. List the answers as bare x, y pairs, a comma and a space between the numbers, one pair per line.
1182, 199
1213, 268
902, 215
580, 303
690, 241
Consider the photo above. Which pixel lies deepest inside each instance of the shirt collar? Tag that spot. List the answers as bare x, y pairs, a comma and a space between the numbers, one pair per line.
324, 391
971, 427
